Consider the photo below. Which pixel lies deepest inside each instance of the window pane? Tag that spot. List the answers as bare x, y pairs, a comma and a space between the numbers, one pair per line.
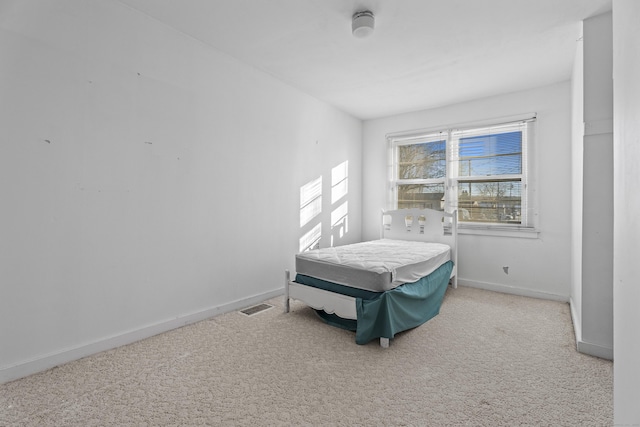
426, 160
490, 201
421, 196
494, 154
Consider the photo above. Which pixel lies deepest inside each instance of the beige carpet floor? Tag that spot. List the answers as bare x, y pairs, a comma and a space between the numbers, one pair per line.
487, 359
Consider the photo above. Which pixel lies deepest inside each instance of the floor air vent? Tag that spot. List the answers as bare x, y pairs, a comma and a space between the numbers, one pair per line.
255, 309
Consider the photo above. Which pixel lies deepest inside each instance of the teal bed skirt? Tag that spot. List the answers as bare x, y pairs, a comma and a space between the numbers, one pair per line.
384, 314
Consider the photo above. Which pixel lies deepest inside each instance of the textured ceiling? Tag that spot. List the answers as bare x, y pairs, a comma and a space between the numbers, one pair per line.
422, 54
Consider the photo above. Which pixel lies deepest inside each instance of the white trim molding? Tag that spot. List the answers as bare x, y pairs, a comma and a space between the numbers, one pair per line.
505, 289
594, 350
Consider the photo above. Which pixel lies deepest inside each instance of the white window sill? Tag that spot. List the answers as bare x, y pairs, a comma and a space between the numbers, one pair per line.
497, 231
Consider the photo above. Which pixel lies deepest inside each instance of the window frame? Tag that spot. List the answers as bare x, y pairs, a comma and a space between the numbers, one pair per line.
527, 228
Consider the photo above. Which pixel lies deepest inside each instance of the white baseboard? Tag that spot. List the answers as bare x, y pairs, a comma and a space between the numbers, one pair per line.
595, 350
505, 289
577, 321
583, 346
48, 361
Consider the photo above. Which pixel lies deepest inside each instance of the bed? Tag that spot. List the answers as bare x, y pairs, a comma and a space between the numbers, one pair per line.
381, 287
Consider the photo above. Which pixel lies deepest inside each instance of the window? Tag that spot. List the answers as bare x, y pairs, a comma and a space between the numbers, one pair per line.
421, 172
481, 171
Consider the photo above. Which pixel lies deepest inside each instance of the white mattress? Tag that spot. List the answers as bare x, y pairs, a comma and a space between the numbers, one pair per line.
377, 266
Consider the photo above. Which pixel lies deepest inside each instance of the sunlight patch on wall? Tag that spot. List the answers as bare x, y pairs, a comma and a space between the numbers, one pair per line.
311, 208
311, 239
339, 222
310, 201
339, 181
340, 214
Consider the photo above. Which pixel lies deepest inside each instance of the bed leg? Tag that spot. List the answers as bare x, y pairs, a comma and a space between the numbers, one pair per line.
384, 342
287, 277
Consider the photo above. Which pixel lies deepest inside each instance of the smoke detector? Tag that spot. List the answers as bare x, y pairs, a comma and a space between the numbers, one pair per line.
362, 23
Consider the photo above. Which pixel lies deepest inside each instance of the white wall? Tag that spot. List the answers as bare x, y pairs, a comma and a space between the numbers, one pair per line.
537, 267
597, 190
592, 189
577, 158
626, 289
147, 180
